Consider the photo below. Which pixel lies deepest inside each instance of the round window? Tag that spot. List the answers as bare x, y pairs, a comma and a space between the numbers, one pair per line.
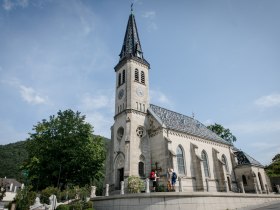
140, 131
120, 133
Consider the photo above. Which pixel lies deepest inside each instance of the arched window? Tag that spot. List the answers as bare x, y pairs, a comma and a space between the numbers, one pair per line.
180, 160
141, 169
142, 77
205, 163
244, 179
123, 76
224, 159
120, 79
136, 75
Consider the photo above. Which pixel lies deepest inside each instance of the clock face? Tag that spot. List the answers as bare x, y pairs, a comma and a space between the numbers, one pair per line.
139, 92
121, 94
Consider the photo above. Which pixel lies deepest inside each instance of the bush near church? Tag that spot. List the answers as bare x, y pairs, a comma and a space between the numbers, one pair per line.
135, 184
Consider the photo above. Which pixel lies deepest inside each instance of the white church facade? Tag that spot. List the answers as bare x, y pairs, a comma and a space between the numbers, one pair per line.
145, 137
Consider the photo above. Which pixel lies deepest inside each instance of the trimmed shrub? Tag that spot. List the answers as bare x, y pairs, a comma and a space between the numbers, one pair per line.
135, 184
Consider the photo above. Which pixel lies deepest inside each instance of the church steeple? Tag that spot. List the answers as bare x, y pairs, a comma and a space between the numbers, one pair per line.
131, 47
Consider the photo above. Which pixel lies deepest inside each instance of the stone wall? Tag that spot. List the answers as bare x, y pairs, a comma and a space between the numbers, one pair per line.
174, 201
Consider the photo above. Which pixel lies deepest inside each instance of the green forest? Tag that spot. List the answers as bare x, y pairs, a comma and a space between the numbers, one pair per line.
12, 157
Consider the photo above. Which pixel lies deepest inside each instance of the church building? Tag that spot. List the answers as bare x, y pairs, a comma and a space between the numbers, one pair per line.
145, 136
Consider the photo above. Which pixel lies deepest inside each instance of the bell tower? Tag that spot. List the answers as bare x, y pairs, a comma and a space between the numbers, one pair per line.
132, 78
129, 151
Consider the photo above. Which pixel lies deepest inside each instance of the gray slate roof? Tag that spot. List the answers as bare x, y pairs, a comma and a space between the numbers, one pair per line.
185, 124
245, 159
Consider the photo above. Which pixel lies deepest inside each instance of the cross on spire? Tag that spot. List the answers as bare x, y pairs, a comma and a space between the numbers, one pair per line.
131, 8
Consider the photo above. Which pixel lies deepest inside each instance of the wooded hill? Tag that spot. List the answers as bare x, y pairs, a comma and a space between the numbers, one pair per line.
12, 157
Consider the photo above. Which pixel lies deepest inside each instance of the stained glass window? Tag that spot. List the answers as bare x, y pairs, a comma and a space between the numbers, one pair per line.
205, 163
224, 159
180, 160
141, 169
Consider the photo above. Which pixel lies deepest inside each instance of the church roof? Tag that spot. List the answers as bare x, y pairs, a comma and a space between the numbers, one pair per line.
182, 123
245, 159
131, 47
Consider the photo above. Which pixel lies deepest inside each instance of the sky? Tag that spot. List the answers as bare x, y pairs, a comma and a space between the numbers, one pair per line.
218, 60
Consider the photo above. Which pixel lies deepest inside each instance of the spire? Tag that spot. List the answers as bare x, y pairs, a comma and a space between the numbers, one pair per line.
131, 43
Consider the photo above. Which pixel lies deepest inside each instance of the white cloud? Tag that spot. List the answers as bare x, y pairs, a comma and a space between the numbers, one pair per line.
159, 97
268, 101
208, 122
31, 96
100, 122
149, 14
9, 4
10, 133
96, 102
23, 3
27, 93
152, 26
256, 127
99, 108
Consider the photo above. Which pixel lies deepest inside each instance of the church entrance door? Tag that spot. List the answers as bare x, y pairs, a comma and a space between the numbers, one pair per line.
120, 176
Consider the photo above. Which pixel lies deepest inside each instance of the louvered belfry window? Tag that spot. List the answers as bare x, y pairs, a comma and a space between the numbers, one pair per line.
142, 77
123, 76
120, 79
136, 75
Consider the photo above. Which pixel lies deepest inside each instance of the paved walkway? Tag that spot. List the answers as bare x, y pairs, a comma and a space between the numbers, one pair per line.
274, 205
270, 207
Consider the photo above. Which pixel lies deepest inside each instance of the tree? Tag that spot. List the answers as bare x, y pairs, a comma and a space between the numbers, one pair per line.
24, 199
273, 170
62, 151
222, 132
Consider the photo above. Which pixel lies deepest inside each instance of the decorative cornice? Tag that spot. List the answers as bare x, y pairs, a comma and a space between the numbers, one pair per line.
126, 111
130, 57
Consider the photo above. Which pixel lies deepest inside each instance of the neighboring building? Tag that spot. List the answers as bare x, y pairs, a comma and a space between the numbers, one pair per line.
145, 136
12, 187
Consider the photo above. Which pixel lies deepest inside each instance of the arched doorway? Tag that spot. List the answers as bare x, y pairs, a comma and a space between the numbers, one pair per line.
119, 170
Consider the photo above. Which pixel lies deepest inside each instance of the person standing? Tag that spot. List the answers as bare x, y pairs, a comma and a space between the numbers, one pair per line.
173, 179
154, 177
169, 176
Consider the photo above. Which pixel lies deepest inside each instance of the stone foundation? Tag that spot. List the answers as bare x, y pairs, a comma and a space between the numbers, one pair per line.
182, 200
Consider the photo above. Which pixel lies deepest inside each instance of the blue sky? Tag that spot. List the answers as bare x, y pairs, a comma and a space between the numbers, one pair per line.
217, 59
